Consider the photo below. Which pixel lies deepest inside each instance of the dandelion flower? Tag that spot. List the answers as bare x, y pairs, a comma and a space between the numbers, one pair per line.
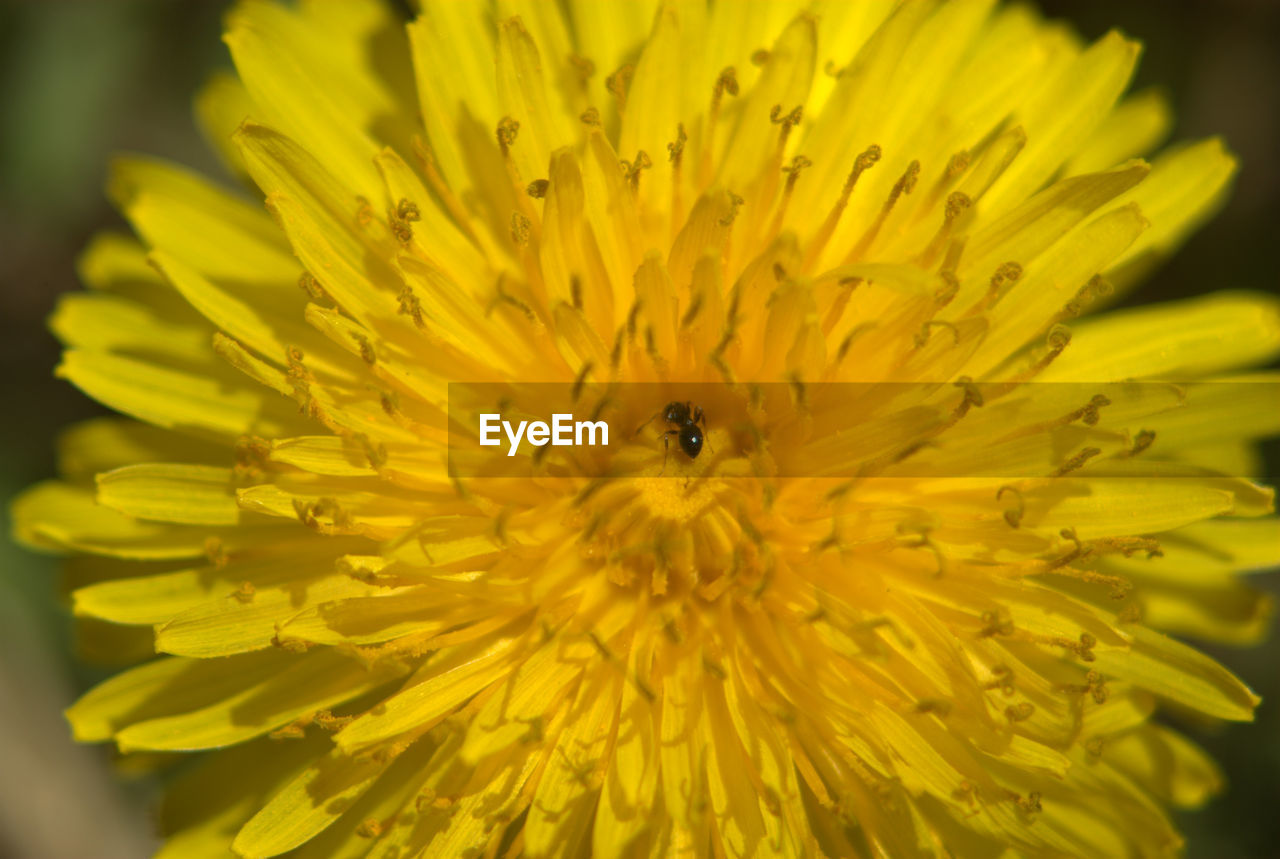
790, 645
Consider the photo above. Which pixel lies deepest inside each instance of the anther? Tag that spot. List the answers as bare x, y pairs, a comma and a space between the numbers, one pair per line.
369, 828
402, 224
1141, 442
788, 120
759, 57
946, 293
1089, 412
1020, 712
726, 81
407, 210
1005, 273
1014, 516
583, 66
521, 229
631, 169
1030, 805
575, 291
922, 336
308, 283
410, 306
618, 83
675, 149
1076, 461
216, 552
590, 117
244, 593
992, 625
508, 129
537, 189
364, 211
941, 706
734, 203
957, 203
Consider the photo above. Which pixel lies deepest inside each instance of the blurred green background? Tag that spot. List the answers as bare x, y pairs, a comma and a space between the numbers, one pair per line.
81, 79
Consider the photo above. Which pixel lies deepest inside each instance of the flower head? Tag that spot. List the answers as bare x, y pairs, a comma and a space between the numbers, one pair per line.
910, 598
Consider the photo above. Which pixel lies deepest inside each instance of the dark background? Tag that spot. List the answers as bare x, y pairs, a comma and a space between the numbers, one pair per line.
81, 79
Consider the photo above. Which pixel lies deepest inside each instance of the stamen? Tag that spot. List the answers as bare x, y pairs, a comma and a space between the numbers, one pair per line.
583, 67
618, 83
590, 117
1141, 442
1020, 712
537, 189
1014, 516
1005, 273
631, 169
726, 82
410, 306
798, 164
861, 164
521, 229
427, 161
308, 283
922, 336
956, 165
972, 397
735, 202
675, 154
1097, 287
957, 204
575, 291
788, 122
904, 185
364, 211
507, 131
1076, 461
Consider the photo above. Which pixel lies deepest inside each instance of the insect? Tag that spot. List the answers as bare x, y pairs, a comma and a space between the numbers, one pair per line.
685, 417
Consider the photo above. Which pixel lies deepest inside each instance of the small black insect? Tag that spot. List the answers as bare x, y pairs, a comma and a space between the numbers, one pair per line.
685, 417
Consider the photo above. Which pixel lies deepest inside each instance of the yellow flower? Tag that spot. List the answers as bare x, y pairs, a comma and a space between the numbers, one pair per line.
792, 644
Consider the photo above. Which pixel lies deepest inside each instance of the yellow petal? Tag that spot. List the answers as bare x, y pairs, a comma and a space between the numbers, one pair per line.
1187, 184
302, 685
1177, 769
167, 397
1179, 673
453, 61
165, 685
221, 105
523, 95
308, 804
102, 444
1065, 114
99, 322
185, 494
1136, 126
1178, 340
272, 48
451, 679
58, 517
563, 807
244, 620
183, 213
